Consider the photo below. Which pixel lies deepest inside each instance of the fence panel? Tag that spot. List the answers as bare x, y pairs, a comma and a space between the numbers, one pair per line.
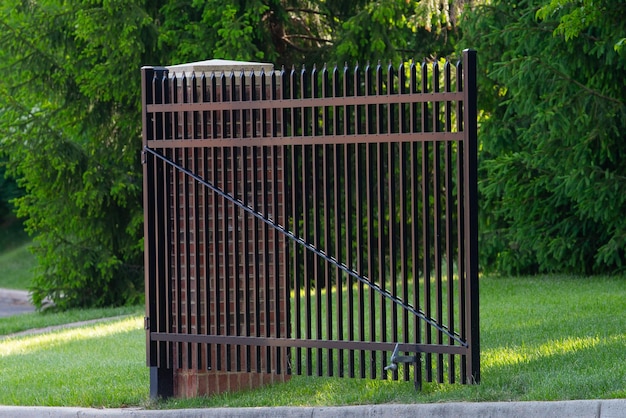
315, 222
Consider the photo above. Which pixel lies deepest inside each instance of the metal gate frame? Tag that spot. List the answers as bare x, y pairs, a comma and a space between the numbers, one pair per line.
397, 122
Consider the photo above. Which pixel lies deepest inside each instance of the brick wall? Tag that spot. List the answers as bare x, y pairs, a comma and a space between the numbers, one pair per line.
227, 268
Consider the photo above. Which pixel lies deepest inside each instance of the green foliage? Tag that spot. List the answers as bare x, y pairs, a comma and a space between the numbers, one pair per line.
8, 191
195, 30
397, 29
307, 32
70, 107
70, 129
552, 147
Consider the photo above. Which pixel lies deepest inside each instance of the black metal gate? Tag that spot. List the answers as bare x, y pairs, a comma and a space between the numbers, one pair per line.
315, 222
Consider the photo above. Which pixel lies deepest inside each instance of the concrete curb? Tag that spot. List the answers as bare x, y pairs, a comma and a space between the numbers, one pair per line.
567, 409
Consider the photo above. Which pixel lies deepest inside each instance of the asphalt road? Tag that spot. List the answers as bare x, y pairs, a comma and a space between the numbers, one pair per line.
14, 302
8, 309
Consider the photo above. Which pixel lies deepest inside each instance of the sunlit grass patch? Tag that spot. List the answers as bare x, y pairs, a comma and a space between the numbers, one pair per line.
28, 321
46, 341
100, 365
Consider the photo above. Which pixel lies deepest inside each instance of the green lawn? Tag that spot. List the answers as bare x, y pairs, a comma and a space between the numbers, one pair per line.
16, 267
543, 338
16, 260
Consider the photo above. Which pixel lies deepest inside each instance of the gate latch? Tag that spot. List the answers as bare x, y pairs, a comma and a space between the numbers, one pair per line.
396, 358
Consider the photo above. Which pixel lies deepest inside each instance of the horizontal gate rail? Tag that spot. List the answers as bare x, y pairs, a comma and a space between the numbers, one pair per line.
303, 343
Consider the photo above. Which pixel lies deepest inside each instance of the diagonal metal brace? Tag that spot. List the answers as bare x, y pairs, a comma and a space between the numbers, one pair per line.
320, 253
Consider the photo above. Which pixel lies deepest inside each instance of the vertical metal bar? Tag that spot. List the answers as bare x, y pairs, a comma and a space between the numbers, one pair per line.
204, 133
304, 112
265, 120
288, 211
277, 164
391, 114
371, 237
392, 180
340, 151
217, 119
437, 231
203, 282
167, 252
174, 115
194, 124
185, 268
176, 273
358, 109
185, 114
317, 212
307, 188
237, 250
371, 254
247, 248
450, 222
253, 116
328, 185
217, 292
382, 314
415, 213
317, 209
226, 151
337, 169
274, 212
234, 132
405, 192
256, 267
360, 228
297, 271
381, 207
460, 181
148, 76
167, 116
195, 128
208, 272
266, 256
296, 177
351, 186
471, 211
187, 260
426, 242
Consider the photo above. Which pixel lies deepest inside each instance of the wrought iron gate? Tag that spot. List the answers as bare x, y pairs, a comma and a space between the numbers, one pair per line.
315, 222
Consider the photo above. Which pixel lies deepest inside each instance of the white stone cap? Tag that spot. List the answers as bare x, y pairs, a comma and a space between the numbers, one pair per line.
218, 66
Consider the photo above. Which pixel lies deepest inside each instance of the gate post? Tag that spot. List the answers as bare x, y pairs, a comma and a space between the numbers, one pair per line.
471, 213
161, 378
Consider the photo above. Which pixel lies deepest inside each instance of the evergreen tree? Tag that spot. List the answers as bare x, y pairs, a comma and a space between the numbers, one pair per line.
552, 91
70, 110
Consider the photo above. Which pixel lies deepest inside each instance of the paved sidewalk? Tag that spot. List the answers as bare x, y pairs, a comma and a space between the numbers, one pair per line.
564, 409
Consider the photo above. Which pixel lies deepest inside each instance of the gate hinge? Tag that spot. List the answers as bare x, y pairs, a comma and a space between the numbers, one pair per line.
143, 156
146, 322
